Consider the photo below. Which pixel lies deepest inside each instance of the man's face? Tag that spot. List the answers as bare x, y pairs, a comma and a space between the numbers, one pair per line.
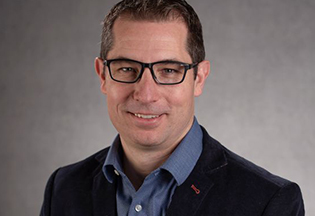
148, 115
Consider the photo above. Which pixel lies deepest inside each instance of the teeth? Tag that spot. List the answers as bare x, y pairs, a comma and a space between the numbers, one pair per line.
146, 116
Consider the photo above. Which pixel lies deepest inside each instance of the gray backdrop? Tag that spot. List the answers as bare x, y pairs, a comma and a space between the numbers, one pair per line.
258, 101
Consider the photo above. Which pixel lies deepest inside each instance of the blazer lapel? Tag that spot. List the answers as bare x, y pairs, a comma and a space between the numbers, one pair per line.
189, 196
103, 193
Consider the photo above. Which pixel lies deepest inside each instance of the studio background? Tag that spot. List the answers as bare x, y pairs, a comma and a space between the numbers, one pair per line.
259, 99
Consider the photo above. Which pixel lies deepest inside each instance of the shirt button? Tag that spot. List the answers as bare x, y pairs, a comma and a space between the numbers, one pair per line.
138, 208
116, 172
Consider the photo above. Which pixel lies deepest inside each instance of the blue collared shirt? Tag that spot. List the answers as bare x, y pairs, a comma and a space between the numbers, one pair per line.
155, 194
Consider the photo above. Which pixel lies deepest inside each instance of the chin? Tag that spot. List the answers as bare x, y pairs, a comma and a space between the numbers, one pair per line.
148, 141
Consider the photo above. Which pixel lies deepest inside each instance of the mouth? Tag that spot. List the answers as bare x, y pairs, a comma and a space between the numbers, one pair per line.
146, 116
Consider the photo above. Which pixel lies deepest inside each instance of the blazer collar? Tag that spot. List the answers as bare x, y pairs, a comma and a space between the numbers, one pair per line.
208, 170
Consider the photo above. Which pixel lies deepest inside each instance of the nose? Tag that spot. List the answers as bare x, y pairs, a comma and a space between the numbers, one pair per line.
146, 89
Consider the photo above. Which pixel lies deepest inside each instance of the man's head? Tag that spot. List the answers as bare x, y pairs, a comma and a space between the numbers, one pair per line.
156, 11
147, 114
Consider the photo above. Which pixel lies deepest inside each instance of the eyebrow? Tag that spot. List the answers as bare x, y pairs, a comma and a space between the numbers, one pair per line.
166, 59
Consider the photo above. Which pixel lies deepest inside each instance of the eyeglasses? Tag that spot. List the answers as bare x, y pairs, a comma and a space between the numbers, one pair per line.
163, 72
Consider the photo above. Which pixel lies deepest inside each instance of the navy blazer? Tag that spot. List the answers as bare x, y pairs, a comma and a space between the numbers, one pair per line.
222, 183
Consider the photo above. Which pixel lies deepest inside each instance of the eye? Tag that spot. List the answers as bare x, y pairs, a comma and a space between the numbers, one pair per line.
127, 69
169, 70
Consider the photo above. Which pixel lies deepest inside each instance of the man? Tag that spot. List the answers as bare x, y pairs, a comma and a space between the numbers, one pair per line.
162, 162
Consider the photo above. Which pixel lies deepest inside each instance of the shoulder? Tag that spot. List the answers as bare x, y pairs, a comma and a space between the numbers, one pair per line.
274, 194
69, 188
244, 183
251, 172
238, 166
79, 174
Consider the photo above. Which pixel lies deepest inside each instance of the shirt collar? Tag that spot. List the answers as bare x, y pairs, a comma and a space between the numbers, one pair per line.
185, 156
179, 164
113, 160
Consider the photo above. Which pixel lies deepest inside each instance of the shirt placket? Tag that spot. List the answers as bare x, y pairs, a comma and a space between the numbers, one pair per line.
140, 205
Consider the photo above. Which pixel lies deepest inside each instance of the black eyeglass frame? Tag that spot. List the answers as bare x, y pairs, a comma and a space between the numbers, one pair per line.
187, 67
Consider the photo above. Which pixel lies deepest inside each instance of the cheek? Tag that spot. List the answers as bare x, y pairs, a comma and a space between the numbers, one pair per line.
116, 96
182, 98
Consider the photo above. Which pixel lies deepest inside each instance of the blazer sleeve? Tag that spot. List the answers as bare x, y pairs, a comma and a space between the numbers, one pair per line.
46, 206
287, 201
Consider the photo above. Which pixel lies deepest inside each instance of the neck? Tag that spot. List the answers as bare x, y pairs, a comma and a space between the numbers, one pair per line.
138, 164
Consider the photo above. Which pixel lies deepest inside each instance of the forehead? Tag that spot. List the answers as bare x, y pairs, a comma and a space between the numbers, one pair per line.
157, 40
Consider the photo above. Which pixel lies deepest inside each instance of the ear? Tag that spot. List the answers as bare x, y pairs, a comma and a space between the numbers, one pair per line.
99, 69
203, 72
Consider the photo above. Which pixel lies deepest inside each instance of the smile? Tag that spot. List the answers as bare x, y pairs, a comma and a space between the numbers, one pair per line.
146, 116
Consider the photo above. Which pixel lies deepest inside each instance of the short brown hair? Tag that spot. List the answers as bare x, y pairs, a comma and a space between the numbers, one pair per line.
156, 10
